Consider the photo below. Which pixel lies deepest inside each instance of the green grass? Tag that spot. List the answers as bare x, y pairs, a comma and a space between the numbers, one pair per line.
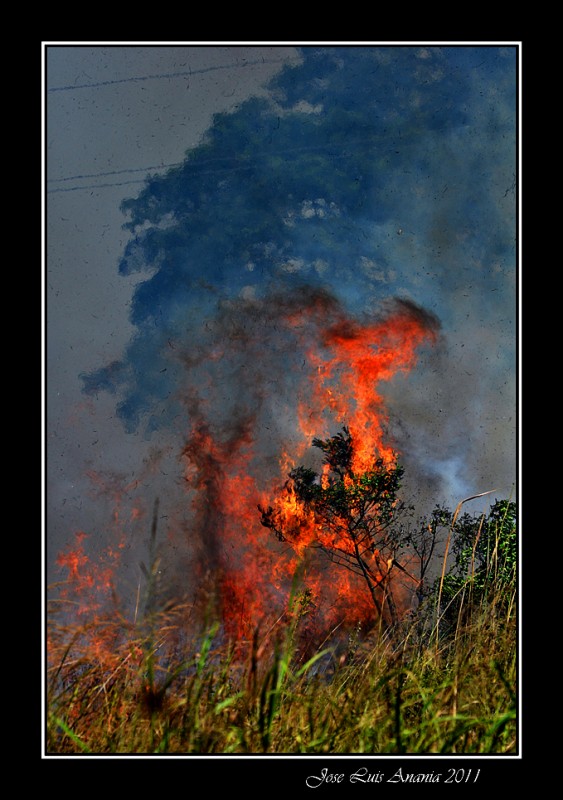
113, 686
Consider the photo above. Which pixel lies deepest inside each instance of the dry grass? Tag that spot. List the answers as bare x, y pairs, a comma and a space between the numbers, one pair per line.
116, 687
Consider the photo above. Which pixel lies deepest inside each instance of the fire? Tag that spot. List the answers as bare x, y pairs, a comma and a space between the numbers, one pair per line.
273, 377
89, 583
342, 363
364, 356
86, 600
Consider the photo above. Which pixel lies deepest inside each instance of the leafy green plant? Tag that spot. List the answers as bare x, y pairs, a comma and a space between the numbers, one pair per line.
485, 550
348, 515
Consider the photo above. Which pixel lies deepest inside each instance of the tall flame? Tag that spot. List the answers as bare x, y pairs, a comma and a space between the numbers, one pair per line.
341, 362
271, 375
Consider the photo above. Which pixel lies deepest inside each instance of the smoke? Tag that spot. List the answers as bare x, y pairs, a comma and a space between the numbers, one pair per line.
269, 375
370, 179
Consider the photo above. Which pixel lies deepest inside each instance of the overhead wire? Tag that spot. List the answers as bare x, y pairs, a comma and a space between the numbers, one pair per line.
179, 74
139, 78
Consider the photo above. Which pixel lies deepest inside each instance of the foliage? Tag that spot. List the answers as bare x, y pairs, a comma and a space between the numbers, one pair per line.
486, 551
348, 515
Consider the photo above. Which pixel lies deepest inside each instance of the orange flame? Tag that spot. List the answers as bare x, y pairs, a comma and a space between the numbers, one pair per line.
341, 366
341, 373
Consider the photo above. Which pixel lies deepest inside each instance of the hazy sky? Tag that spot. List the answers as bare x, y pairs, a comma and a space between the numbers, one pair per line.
368, 172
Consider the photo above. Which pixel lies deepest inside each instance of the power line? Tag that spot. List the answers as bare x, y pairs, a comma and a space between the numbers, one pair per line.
139, 78
138, 180
220, 170
160, 76
113, 172
236, 167
95, 186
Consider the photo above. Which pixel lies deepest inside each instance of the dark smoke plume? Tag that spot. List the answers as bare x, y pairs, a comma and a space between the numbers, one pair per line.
370, 178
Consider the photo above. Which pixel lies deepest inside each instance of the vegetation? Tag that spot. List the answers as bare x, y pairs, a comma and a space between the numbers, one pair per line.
349, 516
440, 680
